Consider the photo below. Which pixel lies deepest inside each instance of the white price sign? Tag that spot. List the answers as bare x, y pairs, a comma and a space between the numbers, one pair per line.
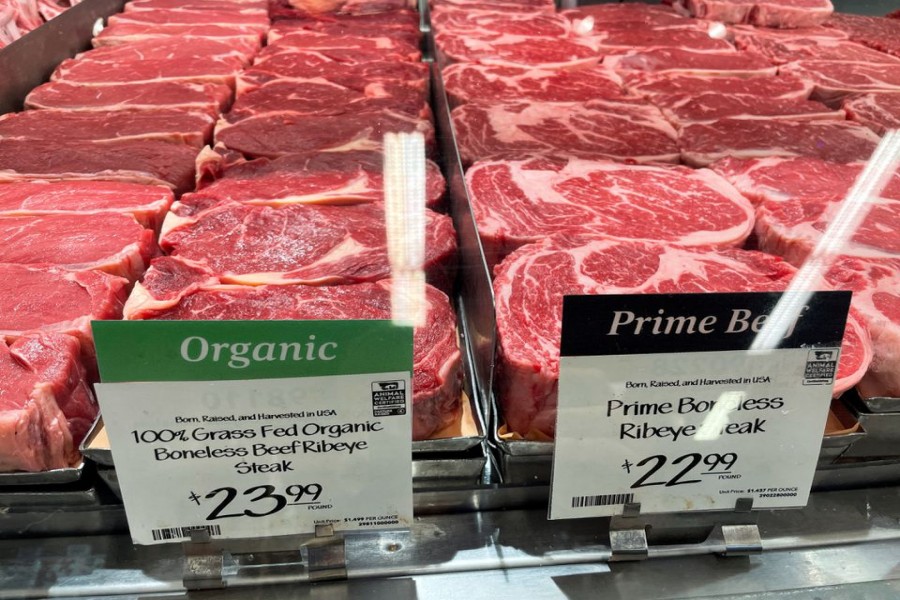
247, 450
699, 426
258, 458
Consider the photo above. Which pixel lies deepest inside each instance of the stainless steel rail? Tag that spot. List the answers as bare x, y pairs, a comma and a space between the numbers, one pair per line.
842, 538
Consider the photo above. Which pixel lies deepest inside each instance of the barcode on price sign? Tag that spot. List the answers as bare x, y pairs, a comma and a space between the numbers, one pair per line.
601, 500
176, 533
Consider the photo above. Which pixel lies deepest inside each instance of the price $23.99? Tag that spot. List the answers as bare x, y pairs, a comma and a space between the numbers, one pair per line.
263, 500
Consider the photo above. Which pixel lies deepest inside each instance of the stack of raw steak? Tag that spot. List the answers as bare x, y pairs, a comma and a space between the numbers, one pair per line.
665, 90
874, 32
311, 91
521, 202
796, 199
86, 179
136, 110
566, 173
530, 284
289, 219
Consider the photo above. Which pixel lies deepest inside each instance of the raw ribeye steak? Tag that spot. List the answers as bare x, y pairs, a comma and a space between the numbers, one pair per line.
196, 60
878, 112
520, 202
876, 297
288, 61
511, 38
488, 24
245, 6
146, 203
130, 33
875, 32
802, 177
787, 14
387, 48
790, 14
206, 98
303, 9
292, 58
684, 109
839, 141
792, 228
515, 6
110, 242
619, 41
680, 61
785, 49
214, 51
309, 65
297, 243
629, 15
317, 178
595, 129
401, 25
467, 82
826, 34
437, 374
256, 20
650, 85
57, 299
274, 135
363, 7
193, 69
530, 284
46, 406
317, 97
521, 51
137, 161
172, 125
834, 81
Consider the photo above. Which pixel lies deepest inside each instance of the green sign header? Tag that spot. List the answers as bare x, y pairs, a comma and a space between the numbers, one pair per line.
219, 350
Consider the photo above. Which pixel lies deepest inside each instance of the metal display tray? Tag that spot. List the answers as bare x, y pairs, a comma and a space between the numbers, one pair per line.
43, 478
476, 296
528, 462
882, 429
60, 498
880, 404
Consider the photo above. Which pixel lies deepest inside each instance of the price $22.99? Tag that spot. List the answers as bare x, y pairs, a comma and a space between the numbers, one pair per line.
681, 470
263, 500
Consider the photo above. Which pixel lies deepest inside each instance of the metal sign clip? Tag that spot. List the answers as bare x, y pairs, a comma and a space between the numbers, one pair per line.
628, 535
203, 562
325, 555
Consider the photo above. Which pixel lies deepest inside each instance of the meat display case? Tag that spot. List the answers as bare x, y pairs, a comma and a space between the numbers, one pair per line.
481, 517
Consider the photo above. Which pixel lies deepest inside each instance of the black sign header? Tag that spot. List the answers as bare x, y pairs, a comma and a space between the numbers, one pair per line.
705, 322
